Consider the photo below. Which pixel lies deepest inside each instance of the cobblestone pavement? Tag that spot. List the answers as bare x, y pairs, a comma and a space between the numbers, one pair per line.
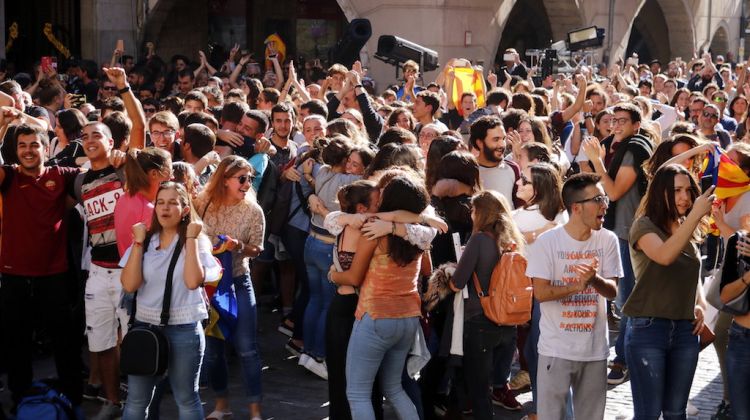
290, 392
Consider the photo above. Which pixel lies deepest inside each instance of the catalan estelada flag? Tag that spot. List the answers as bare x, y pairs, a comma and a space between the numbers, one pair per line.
222, 318
467, 79
730, 180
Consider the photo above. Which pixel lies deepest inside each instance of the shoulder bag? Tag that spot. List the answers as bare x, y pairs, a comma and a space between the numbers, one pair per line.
145, 348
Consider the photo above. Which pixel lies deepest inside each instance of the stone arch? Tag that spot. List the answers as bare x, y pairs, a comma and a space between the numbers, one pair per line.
679, 24
720, 40
526, 24
176, 26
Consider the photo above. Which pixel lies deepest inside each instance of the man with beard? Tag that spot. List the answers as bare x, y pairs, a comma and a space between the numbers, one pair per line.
574, 268
487, 135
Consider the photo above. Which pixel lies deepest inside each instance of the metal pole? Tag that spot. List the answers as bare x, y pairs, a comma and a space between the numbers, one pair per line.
611, 30
708, 25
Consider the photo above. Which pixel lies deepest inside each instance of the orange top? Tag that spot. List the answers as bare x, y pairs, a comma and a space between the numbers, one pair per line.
388, 290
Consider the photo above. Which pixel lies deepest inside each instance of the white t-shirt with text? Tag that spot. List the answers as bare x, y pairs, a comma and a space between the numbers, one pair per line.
575, 327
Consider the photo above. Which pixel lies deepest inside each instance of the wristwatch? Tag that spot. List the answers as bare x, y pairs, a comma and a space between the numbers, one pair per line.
123, 90
588, 115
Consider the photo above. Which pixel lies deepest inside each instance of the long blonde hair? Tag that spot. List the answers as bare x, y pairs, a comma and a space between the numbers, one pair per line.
215, 190
492, 215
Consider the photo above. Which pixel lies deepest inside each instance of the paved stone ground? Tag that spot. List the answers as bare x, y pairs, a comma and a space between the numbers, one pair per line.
291, 392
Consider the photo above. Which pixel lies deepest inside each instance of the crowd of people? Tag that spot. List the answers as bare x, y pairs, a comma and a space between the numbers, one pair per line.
378, 217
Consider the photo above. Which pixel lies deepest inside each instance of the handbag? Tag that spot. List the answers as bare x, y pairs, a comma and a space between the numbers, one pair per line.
737, 306
145, 348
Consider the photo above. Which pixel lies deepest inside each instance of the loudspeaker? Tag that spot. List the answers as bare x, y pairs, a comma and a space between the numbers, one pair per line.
395, 50
356, 35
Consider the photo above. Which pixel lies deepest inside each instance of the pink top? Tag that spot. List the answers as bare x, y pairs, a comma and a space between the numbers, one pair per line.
130, 210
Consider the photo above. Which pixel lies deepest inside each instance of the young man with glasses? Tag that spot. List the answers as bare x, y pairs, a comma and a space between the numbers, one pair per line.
721, 99
163, 128
708, 124
624, 182
574, 268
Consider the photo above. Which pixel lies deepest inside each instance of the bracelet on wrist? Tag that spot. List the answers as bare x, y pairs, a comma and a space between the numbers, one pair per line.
393, 228
191, 237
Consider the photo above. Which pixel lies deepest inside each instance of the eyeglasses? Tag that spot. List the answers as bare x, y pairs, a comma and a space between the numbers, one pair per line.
601, 200
707, 114
620, 121
243, 178
157, 134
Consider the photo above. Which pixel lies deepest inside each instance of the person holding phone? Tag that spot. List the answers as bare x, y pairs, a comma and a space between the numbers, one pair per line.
666, 307
514, 66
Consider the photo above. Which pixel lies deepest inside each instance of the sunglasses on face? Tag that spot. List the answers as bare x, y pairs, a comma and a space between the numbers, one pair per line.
149, 110
707, 114
243, 178
719, 99
109, 88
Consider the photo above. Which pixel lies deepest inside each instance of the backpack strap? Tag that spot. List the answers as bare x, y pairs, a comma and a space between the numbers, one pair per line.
480, 292
78, 187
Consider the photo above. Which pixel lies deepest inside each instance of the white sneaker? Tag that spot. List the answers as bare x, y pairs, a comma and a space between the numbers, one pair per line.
318, 368
304, 358
109, 411
692, 410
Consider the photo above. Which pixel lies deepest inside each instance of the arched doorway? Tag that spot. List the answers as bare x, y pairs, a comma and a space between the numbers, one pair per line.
649, 36
527, 27
719, 42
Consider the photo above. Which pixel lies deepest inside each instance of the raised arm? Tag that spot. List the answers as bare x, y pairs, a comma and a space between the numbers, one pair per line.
570, 111
133, 107
132, 274
666, 252
626, 175
193, 273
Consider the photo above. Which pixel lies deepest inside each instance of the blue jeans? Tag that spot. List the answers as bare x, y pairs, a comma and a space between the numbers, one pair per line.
379, 345
662, 356
738, 371
294, 240
625, 287
318, 259
186, 346
245, 340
